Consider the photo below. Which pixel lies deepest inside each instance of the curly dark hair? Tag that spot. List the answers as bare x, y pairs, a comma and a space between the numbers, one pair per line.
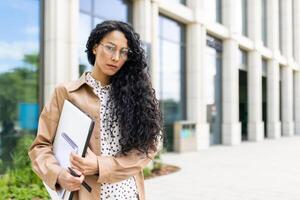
135, 105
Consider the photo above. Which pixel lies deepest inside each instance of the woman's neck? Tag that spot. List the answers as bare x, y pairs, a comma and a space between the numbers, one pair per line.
99, 76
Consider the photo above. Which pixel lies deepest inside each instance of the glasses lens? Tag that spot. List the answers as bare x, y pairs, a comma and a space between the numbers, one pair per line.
109, 49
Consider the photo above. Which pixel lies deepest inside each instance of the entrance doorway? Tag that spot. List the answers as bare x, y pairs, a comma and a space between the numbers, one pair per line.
264, 104
213, 89
243, 94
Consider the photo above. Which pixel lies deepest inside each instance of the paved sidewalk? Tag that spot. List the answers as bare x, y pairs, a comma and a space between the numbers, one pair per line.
267, 170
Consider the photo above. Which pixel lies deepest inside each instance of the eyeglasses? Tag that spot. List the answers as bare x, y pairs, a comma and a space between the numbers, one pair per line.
110, 50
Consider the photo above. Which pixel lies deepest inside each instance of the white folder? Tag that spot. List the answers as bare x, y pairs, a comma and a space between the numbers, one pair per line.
72, 135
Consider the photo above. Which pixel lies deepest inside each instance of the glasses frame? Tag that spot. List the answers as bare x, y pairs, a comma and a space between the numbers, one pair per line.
111, 52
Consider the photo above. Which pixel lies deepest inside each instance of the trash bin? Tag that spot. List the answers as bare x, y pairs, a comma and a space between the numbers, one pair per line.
185, 136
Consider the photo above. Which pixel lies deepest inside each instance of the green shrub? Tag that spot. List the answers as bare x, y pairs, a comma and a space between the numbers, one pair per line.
20, 182
156, 165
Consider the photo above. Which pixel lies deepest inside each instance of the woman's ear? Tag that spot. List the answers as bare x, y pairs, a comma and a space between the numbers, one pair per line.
95, 49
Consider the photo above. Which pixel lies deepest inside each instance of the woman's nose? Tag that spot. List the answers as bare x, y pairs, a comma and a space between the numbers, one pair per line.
116, 56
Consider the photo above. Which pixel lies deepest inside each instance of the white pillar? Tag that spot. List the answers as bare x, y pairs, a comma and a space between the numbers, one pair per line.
254, 20
273, 124
296, 41
297, 101
273, 26
196, 103
231, 127
297, 58
142, 23
61, 43
255, 124
286, 19
287, 73
154, 44
273, 72
287, 101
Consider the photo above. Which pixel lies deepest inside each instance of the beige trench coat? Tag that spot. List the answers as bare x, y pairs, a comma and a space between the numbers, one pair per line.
111, 169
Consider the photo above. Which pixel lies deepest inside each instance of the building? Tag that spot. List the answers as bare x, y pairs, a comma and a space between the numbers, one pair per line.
231, 66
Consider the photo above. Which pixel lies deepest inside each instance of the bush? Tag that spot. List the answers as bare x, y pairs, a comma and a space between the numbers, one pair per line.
155, 165
20, 182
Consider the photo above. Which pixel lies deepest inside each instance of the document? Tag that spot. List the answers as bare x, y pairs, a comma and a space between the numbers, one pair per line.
72, 135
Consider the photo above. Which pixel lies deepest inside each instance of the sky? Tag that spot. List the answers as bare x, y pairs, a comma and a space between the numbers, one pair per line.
19, 31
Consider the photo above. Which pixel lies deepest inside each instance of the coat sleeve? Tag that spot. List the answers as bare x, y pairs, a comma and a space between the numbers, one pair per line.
115, 169
44, 163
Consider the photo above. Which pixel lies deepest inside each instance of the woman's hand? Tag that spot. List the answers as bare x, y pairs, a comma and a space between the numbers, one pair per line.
69, 182
87, 165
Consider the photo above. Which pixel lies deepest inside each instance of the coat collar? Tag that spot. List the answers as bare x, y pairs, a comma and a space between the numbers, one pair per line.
75, 85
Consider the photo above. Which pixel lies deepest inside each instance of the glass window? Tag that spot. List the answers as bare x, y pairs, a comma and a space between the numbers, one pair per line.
243, 59
181, 1
171, 81
85, 21
85, 5
280, 25
19, 73
264, 21
293, 27
93, 12
214, 10
213, 89
112, 9
264, 67
244, 17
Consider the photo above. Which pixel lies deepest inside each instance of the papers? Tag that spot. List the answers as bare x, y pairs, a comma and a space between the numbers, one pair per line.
72, 135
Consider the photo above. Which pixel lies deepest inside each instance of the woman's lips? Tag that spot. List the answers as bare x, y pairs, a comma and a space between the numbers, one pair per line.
112, 66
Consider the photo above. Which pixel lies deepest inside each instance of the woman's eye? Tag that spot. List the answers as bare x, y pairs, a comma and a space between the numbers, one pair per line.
125, 53
110, 48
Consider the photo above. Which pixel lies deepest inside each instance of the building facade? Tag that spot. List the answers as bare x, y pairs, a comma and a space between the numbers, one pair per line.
230, 66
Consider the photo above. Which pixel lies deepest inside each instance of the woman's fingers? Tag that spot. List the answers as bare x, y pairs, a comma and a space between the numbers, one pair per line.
76, 160
70, 182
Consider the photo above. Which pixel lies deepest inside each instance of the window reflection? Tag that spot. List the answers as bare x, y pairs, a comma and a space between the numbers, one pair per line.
181, 1
242, 16
85, 28
171, 81
19, 67
264, 22
213, 91
86, 5
213, 10
112, 9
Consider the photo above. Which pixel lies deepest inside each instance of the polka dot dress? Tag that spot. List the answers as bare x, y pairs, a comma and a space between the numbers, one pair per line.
109, 130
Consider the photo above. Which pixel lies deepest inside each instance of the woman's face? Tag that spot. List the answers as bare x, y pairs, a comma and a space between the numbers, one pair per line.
111, 53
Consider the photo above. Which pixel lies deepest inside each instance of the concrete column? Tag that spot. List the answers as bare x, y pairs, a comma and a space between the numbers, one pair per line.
273, 26
61, 43
273, 72
296, 41
287, 101
297, 101
297, 59
287, 73
254, 20
255, 124
286, 19
196, 103
142, 23
231, 127
273, 124
154, 44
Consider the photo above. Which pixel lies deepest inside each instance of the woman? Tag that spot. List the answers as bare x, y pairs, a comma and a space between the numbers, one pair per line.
117, 93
